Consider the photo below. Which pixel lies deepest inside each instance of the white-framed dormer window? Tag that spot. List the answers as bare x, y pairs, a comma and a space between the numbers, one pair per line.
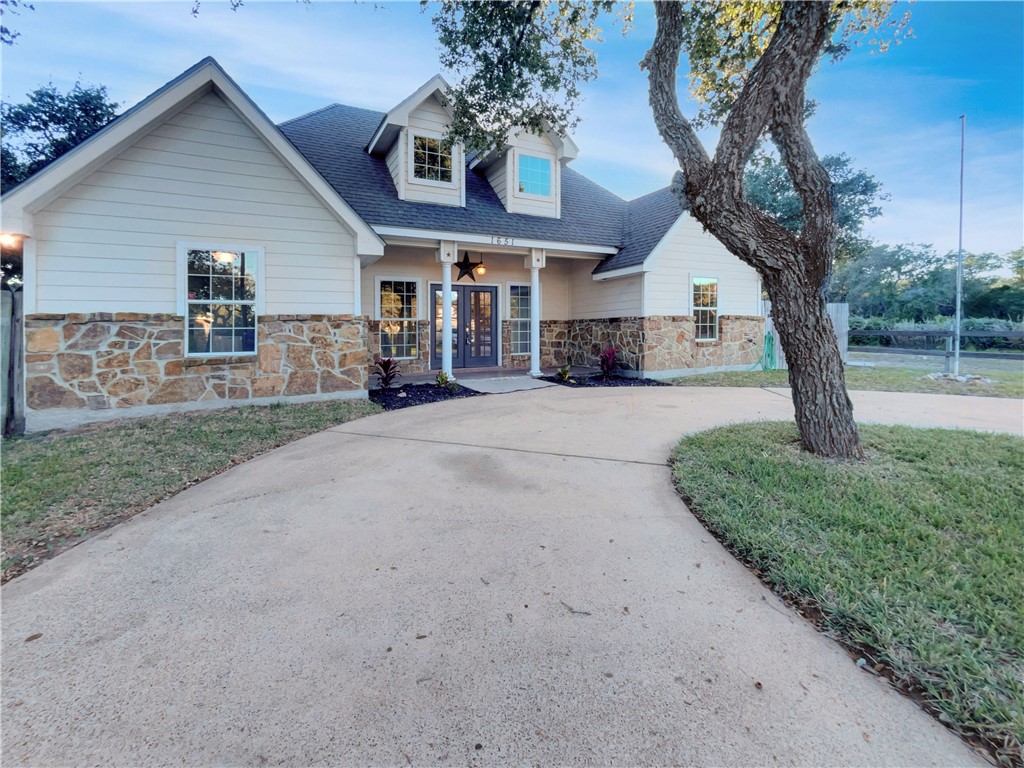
220, 296
519, 308
704, 293
533, 175
398, 311
430, 160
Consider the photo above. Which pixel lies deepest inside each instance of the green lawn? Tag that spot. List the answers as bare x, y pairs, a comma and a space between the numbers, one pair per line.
59, 487
1004, 384
916, 554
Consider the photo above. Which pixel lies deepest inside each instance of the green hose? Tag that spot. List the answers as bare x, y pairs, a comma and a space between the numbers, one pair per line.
767, 361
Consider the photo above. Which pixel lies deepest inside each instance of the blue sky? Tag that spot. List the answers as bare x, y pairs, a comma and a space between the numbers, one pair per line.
896, 113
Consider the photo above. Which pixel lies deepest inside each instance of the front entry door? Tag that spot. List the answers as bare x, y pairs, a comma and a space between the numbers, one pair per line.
474, 326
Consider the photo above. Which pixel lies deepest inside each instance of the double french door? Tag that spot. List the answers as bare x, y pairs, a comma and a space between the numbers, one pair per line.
474, 326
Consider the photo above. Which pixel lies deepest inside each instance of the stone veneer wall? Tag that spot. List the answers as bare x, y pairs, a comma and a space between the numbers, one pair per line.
419, 365
554, 343
740, 342
123, 360
588, 337
667, 343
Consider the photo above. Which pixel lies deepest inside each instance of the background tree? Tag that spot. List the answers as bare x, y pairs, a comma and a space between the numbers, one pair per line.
857, 197
521, 64
48, 125
913, 283
8, 35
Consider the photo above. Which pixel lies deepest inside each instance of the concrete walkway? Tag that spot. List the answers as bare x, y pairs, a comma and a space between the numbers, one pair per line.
504, 579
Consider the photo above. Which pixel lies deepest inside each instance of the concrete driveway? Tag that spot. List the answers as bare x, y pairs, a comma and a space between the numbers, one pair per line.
506, 579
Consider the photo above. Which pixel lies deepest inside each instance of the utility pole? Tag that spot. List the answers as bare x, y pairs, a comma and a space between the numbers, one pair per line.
960, 256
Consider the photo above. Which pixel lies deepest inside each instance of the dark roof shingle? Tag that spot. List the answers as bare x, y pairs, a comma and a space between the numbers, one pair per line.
334, 141
646, 221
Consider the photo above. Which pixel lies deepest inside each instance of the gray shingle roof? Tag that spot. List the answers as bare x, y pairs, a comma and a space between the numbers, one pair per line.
334, 141
647, 220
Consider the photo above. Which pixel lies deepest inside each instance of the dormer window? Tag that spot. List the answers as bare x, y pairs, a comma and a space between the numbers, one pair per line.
431, 160
534, 175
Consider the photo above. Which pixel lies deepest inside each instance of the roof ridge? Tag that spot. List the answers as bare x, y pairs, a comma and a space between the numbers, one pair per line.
332, 105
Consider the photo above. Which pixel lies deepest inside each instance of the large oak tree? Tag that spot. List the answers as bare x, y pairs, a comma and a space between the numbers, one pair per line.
521, 64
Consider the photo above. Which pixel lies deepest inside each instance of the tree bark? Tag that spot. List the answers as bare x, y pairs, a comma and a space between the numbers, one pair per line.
795, 268
824, 412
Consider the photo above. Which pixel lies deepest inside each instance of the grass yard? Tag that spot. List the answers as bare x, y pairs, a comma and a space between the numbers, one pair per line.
914, 557
1004, 383
59, 487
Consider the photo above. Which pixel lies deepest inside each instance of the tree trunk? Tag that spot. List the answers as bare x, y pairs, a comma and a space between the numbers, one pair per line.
795, 268
824, 413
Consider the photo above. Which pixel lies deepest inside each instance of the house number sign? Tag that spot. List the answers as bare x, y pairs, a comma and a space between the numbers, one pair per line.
502, 240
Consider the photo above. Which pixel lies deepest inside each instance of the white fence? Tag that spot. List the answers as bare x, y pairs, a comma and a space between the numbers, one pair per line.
840, 314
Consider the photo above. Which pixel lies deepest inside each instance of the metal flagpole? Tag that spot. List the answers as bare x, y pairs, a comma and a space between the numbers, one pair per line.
960, 256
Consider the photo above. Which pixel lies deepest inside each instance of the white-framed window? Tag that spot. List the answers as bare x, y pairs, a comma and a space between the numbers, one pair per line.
705, 307
220, 296
397, 309
533, 175
430, 160
519, 307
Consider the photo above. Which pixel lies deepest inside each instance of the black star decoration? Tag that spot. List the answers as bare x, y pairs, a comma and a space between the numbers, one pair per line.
466, 267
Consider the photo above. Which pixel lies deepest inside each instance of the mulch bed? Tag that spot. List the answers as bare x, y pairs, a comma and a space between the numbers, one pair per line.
596, 380
409, 395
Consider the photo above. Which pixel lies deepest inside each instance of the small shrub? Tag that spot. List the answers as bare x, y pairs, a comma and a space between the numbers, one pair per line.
608, 360
386, 370
565, 375
445, 381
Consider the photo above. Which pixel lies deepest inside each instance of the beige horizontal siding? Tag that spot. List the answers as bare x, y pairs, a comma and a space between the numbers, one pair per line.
395, 162
198, 178
692, 252
534, 144
429, 115
497, 175
109, 243
591, 299
126, 187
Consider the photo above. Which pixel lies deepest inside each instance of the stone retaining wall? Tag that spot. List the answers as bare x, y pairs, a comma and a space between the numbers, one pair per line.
122, 360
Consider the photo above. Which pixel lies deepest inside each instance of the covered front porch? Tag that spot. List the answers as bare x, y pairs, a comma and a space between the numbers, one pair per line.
507, 306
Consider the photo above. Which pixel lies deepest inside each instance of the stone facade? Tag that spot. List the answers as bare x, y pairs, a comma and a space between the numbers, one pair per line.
421, 364
124, 360
667, 343
554, 345
588, 337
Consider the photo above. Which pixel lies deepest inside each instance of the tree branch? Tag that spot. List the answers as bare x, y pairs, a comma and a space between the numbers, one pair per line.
661, 62
779, 76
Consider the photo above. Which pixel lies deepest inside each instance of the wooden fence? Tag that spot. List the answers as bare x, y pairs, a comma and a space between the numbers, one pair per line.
840, 315
948, 352
12, 374
6, 308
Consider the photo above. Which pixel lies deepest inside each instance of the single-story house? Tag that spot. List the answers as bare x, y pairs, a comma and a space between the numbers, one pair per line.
193, 253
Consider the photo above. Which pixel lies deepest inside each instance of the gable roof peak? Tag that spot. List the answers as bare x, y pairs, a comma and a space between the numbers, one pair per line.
398, 116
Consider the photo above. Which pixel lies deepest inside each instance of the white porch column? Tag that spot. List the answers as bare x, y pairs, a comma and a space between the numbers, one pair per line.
535, 262
446, 255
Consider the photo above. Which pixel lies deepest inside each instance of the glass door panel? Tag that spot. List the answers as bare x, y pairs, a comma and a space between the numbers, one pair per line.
437, 330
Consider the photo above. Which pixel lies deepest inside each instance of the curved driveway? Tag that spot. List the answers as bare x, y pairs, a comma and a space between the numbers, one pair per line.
506, 579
